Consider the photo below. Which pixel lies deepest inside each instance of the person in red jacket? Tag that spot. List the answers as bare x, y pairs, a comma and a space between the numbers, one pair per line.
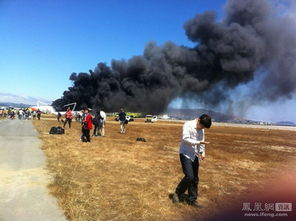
68, 117
86, 126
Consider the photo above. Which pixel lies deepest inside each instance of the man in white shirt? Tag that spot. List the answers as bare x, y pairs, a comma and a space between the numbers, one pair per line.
103, 122
192, 149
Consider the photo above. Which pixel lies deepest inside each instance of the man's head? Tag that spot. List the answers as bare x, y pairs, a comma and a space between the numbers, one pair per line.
204, 121
85, 110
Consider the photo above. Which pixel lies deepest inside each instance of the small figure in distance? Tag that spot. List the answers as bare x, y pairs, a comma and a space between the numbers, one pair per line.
86, 126
103, 120
38, 114
96, 122
122, 119
69, 117
59, 116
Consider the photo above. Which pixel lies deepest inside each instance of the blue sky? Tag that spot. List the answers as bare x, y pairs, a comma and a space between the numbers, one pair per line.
43, 42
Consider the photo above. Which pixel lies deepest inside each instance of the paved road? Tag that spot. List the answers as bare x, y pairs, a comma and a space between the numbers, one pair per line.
23, 177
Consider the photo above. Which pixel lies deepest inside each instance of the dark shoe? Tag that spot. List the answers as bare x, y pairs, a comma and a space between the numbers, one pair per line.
175, 198
195, 204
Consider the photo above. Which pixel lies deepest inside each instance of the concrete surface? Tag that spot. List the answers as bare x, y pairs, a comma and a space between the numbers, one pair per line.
23, 178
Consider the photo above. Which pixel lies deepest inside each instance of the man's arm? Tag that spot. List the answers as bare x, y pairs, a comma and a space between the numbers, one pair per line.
202, 148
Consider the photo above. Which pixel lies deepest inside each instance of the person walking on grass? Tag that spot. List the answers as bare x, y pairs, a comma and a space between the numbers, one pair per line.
192, 149
69, 117
102, 124
122, 119
59, 116
34, 114
96, 122
86, 126
82, 120
38, 114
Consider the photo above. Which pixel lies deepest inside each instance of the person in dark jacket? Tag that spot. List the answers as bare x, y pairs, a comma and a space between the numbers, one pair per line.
122, 120
38, 114
86, 126
96, 123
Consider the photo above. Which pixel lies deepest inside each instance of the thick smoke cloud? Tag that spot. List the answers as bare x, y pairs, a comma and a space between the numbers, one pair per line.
252, 40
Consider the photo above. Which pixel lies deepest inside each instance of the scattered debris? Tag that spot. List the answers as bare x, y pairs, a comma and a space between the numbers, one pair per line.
141, 139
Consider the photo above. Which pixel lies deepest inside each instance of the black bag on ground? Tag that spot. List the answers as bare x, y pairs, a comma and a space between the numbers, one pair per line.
60, 130
53, 130
57, 130
141, 139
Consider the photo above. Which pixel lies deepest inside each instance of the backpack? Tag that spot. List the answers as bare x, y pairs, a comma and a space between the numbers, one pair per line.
57, 130
53, 130
95, 121
98, 119
60, 130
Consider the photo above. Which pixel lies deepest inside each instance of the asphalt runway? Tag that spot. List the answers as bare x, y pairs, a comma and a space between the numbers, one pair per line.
23, 176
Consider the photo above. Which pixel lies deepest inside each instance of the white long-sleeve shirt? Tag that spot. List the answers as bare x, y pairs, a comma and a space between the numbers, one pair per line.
192, 136
103, 115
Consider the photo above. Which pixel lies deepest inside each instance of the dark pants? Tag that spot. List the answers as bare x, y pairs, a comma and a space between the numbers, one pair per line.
97, 130
69, 122
190, 180
85, 135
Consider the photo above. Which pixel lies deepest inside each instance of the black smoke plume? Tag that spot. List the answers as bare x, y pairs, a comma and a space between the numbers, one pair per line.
252, 41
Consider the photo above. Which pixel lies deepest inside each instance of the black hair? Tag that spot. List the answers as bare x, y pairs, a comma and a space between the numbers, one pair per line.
205, 120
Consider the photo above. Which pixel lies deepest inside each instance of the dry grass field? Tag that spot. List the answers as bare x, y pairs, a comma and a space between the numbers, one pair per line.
117, 178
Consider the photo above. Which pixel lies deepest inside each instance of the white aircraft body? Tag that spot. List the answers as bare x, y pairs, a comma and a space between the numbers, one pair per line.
48, 109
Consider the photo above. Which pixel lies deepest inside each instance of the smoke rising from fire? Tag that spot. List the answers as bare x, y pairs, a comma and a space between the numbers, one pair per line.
253, 42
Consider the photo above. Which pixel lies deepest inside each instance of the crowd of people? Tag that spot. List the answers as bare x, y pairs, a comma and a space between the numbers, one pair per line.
21, 114
96, 120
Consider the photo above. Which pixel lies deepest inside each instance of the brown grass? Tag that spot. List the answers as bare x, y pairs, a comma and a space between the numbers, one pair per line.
117, 178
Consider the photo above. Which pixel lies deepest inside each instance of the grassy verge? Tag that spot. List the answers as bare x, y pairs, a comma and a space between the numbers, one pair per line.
117, 178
